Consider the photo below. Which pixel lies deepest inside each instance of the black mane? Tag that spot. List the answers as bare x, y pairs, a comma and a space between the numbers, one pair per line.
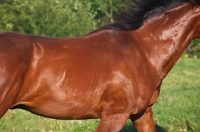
140, 10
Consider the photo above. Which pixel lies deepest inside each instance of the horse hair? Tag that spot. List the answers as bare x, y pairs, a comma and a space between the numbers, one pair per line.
140, 10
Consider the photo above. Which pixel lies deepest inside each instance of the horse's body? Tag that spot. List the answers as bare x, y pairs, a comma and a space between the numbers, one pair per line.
74, 74
108, 74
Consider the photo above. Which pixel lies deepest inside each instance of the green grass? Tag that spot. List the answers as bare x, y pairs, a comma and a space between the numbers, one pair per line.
177, 108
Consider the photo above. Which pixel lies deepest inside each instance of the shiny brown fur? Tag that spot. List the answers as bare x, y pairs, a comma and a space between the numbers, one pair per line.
113, 75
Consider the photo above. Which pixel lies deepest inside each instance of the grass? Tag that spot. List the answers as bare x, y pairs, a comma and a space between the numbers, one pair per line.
177, 108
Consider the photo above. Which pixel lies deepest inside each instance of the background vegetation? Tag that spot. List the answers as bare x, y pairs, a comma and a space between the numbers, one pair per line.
177, 109
56, 18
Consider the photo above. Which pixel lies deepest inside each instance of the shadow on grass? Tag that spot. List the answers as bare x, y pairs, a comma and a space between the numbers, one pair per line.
130, 128
189, 128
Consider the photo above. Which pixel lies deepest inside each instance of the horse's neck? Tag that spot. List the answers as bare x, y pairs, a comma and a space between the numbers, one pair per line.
167, 36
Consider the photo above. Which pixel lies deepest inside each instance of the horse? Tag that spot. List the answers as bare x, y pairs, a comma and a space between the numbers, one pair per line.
113, 73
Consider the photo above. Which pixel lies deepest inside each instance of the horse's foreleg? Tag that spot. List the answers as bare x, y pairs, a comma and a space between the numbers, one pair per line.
144, 123
112, 123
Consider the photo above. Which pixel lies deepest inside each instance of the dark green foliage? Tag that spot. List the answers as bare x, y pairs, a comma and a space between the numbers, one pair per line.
47, 18
56, 18
194, 49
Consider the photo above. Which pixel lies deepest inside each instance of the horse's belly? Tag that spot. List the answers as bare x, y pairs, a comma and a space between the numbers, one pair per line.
60, 109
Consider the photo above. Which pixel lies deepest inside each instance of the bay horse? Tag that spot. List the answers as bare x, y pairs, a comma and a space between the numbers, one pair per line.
113, 73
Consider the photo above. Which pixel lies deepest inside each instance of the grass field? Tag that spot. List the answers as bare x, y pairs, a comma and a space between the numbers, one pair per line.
177, 108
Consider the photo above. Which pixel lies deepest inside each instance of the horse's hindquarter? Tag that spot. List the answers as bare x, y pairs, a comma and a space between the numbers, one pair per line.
79, 78
15, 52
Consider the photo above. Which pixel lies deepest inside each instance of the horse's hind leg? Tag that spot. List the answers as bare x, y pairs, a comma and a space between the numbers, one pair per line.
7, 97
112, 123
9, 89
3, 108
5, 103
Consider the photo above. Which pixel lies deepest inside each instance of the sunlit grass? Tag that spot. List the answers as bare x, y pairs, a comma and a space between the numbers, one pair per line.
177, 108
